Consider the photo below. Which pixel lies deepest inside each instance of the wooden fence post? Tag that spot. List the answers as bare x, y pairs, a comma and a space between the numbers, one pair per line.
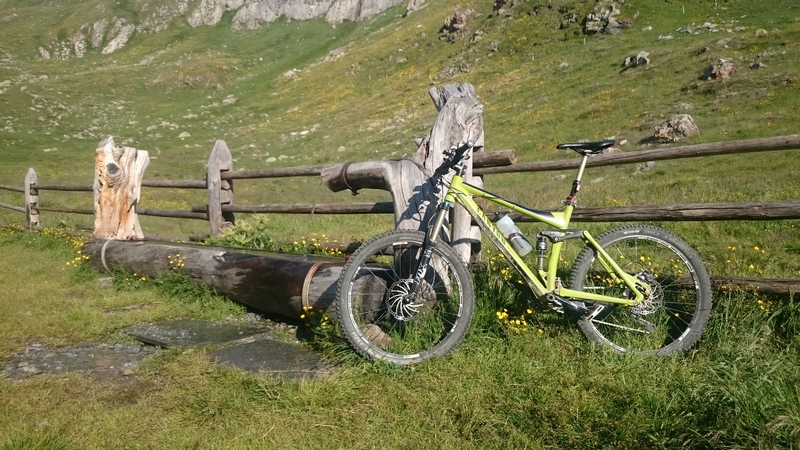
31, 199
220, 192
460, 119
117, 189
463, 116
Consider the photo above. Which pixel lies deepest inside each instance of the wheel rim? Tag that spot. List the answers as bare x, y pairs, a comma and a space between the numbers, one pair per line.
667, 314
390, 323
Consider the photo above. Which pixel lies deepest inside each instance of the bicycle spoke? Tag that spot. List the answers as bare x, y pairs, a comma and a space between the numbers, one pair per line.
676, 306
388, 313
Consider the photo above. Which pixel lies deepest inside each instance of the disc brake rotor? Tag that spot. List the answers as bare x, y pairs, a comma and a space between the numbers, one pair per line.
652, 300
401, 305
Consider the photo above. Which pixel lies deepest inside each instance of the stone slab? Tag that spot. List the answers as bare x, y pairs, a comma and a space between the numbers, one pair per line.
250, 345
191, 332
103, 362
273, 358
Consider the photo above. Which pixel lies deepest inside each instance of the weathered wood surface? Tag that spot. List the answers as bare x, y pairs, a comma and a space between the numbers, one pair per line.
12, 207
173, 213
178, 184
460, 119
324, 208
759, 285
117, 189
269, 282
65, 187
687, 151
220, 192
784, 209
31, 200
89, 212
481, 159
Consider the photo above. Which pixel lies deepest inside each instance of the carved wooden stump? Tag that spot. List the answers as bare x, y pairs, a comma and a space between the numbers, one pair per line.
117, 188
460, 119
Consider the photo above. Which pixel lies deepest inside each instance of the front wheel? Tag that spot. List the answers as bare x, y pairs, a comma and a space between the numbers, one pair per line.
675, 310
387, 313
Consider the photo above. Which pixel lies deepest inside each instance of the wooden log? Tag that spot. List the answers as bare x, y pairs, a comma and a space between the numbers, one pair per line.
280, 172
180, 184
176, 214
783, 209
334, 208
758, 285
88, 212
687, 151
479, 159
275, 283
31, 200
12, 207
65, 187
496, 158
117, 189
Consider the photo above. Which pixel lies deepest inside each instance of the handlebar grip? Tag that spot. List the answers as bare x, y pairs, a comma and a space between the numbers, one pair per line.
461, 150
458, 154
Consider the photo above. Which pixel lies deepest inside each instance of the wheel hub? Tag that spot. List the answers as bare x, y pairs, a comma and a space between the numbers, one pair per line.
652, 300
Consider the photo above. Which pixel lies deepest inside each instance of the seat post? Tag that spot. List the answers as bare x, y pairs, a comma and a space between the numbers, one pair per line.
572, 199
584, 158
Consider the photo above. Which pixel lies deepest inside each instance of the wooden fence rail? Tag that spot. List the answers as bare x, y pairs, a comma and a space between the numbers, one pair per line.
497, 162
221, 206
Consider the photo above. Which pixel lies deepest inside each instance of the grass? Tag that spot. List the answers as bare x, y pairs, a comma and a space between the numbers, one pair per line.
73, 310
539, 86
541, 386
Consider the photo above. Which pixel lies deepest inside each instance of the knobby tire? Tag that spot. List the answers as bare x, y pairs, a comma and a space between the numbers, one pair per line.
381, 322
670, 320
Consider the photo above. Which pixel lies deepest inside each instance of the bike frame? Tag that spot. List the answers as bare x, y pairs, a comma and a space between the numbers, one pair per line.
541, 282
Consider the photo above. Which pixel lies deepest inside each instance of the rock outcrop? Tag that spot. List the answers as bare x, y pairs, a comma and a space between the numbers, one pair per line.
604, 18
112, 33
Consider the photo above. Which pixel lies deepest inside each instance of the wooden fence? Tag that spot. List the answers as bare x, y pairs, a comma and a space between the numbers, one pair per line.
221, 208
218, 182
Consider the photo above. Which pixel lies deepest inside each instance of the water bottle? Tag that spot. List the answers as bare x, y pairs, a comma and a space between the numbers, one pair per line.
514, 235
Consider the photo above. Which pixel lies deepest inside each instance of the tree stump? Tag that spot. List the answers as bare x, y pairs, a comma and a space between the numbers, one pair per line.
460, 119
117, 189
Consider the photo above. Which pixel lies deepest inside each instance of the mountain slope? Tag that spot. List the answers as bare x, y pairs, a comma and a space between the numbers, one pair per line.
307, 92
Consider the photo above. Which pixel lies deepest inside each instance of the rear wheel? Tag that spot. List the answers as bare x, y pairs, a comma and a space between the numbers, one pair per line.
386, 316
674, 312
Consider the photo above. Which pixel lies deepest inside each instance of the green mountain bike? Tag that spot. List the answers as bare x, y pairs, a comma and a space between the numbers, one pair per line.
406, 296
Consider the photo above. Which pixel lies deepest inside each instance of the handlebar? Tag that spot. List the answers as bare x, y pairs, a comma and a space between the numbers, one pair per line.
452, 157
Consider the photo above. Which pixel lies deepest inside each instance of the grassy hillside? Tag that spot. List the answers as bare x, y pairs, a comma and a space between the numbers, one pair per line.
310, 93
296, 93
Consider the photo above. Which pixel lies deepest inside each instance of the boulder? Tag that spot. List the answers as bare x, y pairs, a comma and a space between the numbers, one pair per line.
604, 18
719, 70
676, 128
640, 59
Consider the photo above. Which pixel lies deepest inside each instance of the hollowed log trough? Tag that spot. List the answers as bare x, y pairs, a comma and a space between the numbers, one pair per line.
274, 283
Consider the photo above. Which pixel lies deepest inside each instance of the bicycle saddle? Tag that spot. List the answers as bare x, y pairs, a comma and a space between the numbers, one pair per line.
587, 148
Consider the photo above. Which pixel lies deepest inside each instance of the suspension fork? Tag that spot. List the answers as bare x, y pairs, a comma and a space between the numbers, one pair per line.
431, 238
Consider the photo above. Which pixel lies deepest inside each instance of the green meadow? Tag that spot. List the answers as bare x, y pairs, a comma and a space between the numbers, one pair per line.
306, 93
